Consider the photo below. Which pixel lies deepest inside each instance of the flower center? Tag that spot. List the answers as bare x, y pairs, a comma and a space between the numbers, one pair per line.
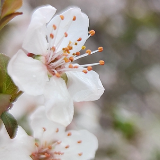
61, 61
45, 152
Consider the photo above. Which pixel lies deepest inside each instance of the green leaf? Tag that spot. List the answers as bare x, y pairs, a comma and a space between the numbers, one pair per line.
7, 18
10, 6
4, 102
10, 123
7, 85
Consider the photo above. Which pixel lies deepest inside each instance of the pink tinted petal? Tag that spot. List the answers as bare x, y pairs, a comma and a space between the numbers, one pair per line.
45, 129
77, 145
84, 87
29, 75
59, 105
35, 39
75, 29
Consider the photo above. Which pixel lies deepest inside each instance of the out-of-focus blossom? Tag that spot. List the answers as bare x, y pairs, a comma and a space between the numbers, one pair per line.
87, 116
50, 141
52, 48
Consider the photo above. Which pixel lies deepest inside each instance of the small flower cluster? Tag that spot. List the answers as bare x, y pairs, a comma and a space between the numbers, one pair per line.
46, 67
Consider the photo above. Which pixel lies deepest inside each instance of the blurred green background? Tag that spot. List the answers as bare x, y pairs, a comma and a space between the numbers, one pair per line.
126, 119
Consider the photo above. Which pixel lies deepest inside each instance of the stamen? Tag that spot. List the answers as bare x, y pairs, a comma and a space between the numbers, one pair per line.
67, 146
66, 59
49, 147
53, 49
71, 59
79, 39
79, 141
69, 134
77, 53
70, 66
62, 17
75, 43
83, 47
65, 34
100, 49
44, 129
88, 51
51, 36
92, 32
30, 54
75, 66
80, 154
58, 75
54, 27
37, 144
101, 62
57, 130
74, 18
89, 68
84, 71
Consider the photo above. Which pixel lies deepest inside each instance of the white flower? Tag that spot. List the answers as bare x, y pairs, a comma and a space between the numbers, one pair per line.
50, 142
52, 45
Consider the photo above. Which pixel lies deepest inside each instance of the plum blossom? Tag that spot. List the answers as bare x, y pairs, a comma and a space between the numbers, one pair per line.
50, 141
52, 45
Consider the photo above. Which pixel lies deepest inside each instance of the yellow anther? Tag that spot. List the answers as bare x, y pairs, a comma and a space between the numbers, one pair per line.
74, 18
89, 68
88, 51
101, 62
84, 71
79, 39
66, 34
51, 36
62, 17
54, 27
92, 32
66, 59
100, 49
83, 47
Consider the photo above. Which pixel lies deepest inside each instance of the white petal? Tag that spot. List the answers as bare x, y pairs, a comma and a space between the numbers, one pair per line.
82, 145
25, 104
74, 29
39, 122
29, 75
84, 87
20, 147
59, 105
35, 39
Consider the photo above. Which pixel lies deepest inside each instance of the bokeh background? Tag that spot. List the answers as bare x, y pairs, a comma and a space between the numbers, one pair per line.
126, 119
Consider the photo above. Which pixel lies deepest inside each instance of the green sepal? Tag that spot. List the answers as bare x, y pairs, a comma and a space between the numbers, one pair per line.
64, 77
10, 123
